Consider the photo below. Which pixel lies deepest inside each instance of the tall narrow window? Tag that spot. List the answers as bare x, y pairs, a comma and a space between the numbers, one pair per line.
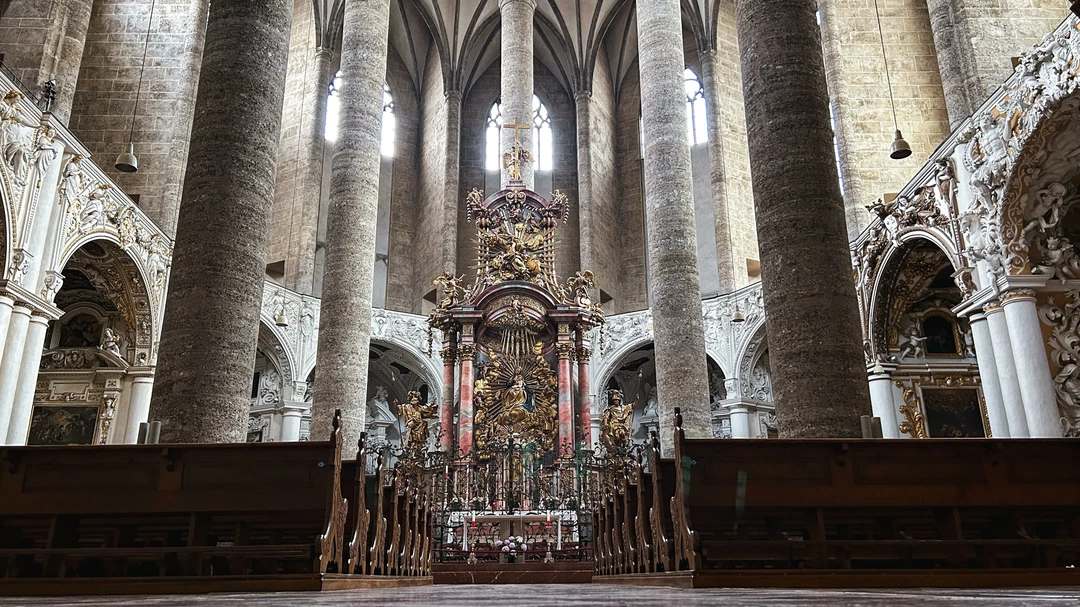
389, 123
697, 124
543, 138
333, 116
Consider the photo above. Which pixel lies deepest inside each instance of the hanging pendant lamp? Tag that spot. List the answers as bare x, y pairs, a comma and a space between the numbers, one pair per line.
899, 149
127, 162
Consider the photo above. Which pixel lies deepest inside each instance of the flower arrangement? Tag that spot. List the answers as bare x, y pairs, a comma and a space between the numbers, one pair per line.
512, 544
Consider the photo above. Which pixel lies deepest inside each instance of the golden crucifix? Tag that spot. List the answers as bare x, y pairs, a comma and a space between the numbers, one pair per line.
517, 156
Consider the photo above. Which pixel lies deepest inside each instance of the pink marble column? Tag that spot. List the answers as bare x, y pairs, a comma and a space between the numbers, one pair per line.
584, 402
446, 414
467, 353
566, 399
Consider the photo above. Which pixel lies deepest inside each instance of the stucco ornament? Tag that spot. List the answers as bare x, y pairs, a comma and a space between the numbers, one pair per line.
1064, 344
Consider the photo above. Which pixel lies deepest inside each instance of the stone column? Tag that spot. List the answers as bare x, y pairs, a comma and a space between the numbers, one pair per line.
584, 400
7, 305
583, 104
681, 373
313, 138
954, 54
882, 402
11, 364
452, 181
446, 410
740, 421
290, 423
988, 374
142, 386
725, 255
565, 350
467, 353
348, 275
1006, 371
64, 44
28, 372
517, 79
814, 338
1032, 368
211, 325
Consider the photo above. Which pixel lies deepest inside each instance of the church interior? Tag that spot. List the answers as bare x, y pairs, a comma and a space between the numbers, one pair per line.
392, 300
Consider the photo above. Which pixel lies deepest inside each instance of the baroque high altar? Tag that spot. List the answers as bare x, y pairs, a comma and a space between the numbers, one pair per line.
511, 337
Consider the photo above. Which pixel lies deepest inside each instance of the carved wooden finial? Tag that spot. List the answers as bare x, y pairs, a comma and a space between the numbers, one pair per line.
336, 424
678, 418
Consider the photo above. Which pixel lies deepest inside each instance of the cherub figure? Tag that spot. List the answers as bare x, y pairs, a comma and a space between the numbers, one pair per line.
915, 344
452, 286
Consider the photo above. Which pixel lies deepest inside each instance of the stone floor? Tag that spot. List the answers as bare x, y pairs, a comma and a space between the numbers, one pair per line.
586, 596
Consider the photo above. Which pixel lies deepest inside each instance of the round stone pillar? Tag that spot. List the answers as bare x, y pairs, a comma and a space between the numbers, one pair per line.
1006, 371
142, 386
1032, 368
517, 80
24, 390
467, 353
313, 142
11, 364
740, 421
65, 43
583, 107
348, 277
988, 375
815, 344
290, 425
882, 402
718, 174
681, 374
954, 59
207, 350
446, 409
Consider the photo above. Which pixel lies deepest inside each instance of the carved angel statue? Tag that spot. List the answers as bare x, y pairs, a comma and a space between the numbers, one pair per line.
451, 286
914, 345
1046, 212
415, 414
110, 342
579, 284
378, 409
1060, 258
615, 423
881, 208
651, 405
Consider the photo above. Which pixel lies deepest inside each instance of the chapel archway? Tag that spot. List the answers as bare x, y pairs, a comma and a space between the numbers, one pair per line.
926, 349
95, 352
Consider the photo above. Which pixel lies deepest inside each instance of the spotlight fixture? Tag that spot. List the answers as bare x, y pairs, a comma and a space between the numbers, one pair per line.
737, 317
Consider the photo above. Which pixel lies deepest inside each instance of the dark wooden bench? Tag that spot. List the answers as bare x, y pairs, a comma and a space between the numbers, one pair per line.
175, 510
877, 505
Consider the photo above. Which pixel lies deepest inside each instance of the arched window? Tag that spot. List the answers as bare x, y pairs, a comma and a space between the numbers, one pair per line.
543, 140
697, 124
333, 115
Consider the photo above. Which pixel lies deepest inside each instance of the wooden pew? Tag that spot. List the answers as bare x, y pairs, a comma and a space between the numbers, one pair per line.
950, 509
171, 510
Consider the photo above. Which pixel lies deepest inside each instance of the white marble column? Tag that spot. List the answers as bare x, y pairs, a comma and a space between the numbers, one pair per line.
290, 425
142, 386
11, 364
1032, 368
988, 373
740, 421
882, 402
1006, 371
517, 79
28, 371
7, 304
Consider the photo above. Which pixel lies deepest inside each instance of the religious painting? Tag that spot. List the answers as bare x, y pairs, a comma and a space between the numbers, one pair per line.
65, 425
80, 331
953, 412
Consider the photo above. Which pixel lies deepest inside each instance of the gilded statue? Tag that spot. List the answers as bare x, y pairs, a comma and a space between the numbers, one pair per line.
452, 286
516, 158
514, 399
415, 414
615, 423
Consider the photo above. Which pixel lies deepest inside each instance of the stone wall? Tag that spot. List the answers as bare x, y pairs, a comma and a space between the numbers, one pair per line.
740, 194
400, 295
1002, 29
105, 96
860, 97
24, 25
607, 245
632, 291
288, 199
427, 249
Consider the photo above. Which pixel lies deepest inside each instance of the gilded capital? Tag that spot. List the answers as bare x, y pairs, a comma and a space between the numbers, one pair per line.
583, 354
467, 352
564, 349
1016, 295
